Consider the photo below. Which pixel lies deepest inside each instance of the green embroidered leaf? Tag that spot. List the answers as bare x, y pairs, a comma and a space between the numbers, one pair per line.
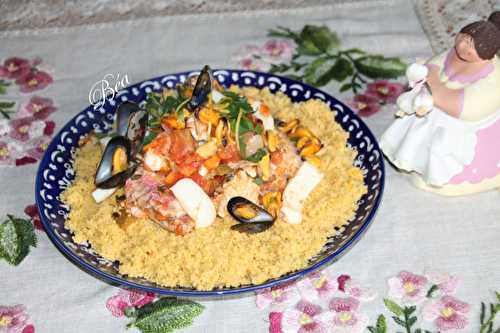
355, 51
6, 113
3, 86
345, 87
283, 32
381, 324
294, 77
393, 307
6, 105
418, 330
379, 67
431, 291
315, 40
412, 321
323, 70
165, 315
16, 237
398, 321
280, 68
409, 310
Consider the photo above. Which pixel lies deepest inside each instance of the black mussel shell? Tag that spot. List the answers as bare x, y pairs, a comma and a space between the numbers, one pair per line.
104, 177
202, 89
260, 221
131, 123
252, 228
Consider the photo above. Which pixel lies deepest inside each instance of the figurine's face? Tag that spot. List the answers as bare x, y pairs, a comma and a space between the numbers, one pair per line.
464, 46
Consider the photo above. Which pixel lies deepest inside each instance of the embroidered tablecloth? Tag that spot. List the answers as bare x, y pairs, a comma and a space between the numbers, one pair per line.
428, 261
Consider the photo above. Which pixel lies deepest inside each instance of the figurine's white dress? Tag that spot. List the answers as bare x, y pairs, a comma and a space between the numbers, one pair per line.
453, 155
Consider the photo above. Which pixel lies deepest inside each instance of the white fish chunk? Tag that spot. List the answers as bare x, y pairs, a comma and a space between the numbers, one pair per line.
195, 202
100, 194
297, 190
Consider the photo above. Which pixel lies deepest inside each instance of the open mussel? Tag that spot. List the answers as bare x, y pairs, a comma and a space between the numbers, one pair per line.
116, 165
253, 219
131, 123
202, 89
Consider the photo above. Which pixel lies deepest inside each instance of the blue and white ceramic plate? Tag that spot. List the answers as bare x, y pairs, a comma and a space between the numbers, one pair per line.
55, 174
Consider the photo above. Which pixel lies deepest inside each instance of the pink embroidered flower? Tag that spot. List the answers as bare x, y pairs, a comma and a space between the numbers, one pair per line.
5, 153
34, 80
446, 283
447, 313
49, 127
408, 287
14, 68
352, 288
344, 318
386, 91
32, 212
303, 318
277, 297
29, 329
246, 51
254, 64
39, 107
125, 298
365, 105
277, 51
25, 128
20, 128
13, 318
38, 146
317, 286
25, 160
275, 322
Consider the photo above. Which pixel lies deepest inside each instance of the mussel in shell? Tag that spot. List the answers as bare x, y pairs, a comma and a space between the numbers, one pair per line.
116, 165
253, 219
202, 89
131, 123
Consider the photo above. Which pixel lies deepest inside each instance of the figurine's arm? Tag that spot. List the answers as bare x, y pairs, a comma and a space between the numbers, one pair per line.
446, 99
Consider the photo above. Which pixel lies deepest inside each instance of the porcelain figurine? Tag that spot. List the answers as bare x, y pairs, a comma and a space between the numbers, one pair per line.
448, 135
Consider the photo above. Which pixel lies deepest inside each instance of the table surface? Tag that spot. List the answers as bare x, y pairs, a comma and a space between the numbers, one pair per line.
413, 231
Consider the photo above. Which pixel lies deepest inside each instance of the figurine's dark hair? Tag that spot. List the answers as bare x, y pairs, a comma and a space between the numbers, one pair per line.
486, 36
495, 19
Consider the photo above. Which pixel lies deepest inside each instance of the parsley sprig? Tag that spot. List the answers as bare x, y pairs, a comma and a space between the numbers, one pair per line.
238, 112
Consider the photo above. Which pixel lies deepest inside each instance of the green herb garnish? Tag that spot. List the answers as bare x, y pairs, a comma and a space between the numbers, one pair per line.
257, 156
159, 106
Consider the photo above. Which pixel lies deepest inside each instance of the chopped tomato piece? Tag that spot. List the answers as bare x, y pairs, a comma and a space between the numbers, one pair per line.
173, 122
229, 153
190, 164
161, 143
208, 185
182, 145
264, 109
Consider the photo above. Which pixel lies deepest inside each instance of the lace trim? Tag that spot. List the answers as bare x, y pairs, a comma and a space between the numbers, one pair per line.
442, 19
19, 14
211, 16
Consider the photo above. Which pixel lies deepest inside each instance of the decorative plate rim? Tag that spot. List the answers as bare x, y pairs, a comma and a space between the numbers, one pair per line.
95, 272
